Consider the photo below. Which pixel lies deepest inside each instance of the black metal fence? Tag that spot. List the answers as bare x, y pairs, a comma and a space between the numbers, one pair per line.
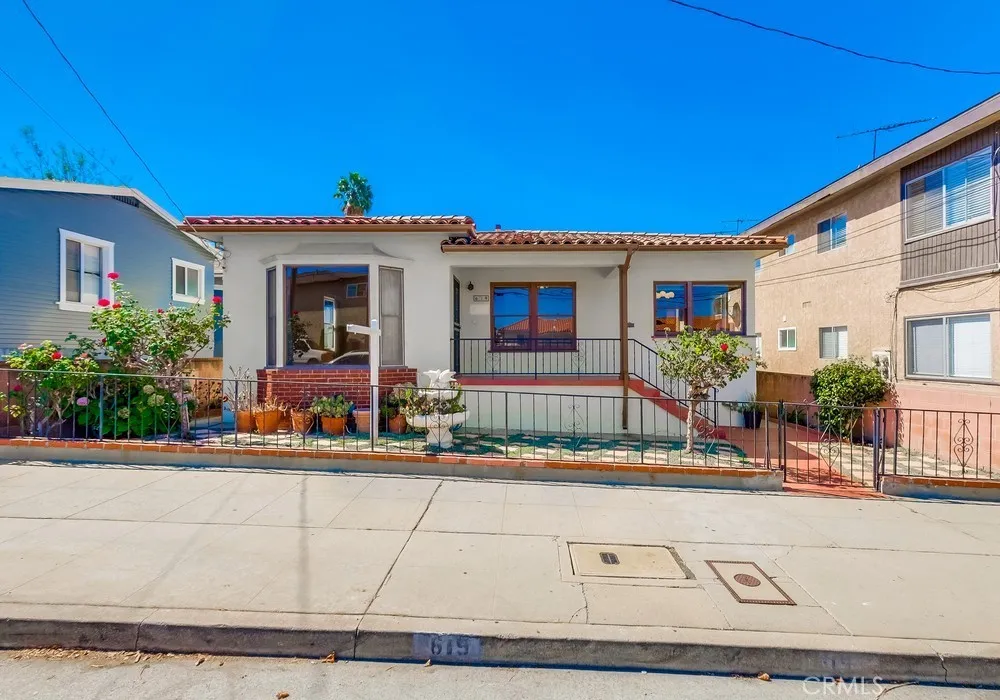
275, 414
832, 445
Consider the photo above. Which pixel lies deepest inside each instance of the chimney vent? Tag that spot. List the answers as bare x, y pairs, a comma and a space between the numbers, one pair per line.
498, 227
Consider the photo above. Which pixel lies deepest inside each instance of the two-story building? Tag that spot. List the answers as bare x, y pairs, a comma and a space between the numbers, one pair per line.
898, 262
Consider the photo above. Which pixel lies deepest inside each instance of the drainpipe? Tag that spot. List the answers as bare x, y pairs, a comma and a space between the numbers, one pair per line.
623, 331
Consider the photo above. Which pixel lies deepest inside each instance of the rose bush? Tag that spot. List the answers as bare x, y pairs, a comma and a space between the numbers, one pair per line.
48, 386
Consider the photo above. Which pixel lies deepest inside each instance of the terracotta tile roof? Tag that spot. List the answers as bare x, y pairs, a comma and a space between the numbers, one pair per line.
543, 325
608, 239
305, 222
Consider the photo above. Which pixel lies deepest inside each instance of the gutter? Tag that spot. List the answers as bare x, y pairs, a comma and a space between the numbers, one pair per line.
542, 247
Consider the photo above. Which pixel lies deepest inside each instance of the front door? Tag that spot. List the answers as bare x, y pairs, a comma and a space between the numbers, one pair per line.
456, 326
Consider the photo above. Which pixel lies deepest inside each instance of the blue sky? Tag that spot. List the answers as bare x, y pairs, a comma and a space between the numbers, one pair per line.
582, 115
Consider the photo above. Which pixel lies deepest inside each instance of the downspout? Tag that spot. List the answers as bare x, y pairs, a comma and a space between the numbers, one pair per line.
623, 331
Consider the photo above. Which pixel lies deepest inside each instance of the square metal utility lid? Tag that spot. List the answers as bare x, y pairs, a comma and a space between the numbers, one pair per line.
641, 561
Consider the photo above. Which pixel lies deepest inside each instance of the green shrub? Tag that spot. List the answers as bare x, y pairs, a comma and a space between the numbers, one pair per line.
842, 388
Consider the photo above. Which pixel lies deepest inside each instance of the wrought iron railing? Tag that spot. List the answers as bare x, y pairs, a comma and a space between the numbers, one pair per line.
534, 357
248, 413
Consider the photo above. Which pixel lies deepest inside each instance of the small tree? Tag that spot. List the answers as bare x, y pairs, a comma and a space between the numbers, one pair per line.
843, 388
356, 194
705, 360
160, 342
60, 163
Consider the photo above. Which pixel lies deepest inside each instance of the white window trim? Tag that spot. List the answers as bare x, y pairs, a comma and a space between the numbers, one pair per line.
832, 246
107, 265
944, 326
793, 347
907, 238
175, 263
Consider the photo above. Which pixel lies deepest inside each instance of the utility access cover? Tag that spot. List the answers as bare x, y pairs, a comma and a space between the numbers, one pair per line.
748, 583
625, 561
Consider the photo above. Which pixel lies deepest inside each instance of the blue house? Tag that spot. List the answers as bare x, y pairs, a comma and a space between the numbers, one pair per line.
59, 241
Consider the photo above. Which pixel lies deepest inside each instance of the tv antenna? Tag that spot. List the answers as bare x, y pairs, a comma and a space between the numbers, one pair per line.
886, 127
739, 222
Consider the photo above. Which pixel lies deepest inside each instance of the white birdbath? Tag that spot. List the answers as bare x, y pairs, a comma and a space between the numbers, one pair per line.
439, 425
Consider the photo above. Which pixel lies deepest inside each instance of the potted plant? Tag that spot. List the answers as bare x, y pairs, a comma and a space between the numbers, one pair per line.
356, 194
332, 412
302, 419
363, 420
752, 411
241, 401
392, 408
438, 408
267, 415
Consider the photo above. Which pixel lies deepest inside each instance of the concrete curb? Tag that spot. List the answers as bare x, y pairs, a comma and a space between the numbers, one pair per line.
498, 643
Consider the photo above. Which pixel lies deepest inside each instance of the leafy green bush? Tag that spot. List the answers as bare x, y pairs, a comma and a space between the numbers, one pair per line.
50, 387
131, 407
842, 388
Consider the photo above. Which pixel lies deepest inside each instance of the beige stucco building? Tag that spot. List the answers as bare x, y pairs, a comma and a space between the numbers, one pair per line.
897, 262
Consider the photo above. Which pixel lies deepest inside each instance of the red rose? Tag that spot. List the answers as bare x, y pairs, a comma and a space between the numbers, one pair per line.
57, 355
17, 387
295, 313
724, 347
116, 305
216, 300
112, 275
104, 302
159, 311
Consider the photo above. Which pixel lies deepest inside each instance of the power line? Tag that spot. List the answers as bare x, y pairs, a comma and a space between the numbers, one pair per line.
836, 47
101, 106
62, 128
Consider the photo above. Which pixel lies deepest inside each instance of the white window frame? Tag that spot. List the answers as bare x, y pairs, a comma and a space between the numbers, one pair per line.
357, 288
847, 342
174, 264
107, 265
795, 336
947, 348
971, 222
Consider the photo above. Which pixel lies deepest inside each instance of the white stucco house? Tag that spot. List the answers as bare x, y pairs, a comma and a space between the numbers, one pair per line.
554, 314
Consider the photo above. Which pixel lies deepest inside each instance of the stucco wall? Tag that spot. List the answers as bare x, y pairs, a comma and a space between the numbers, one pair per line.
428, 285
972, 295
850, 286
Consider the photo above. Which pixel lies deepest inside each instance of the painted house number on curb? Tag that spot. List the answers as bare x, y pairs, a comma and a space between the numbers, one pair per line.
447, 646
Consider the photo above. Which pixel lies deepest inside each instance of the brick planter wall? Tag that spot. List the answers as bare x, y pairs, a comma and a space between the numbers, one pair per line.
298, 387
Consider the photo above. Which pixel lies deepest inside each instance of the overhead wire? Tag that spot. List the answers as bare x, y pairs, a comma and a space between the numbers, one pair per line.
830, 45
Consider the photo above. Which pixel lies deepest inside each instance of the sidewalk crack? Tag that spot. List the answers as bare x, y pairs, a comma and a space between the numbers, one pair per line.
388, 573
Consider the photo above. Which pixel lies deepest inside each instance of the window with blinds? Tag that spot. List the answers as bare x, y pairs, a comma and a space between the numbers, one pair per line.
833, 342
949, 346
831, 233
390, 304
955, 195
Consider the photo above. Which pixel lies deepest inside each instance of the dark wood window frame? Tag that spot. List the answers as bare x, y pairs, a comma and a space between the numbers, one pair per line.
689, 303
568, 345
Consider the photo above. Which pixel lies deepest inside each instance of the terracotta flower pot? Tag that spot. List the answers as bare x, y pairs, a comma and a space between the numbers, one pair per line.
363, 420
302, 421
244, 422
267, 421
334, 426
397, 424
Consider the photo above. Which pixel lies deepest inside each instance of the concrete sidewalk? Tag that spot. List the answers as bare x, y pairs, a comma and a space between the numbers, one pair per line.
297, 563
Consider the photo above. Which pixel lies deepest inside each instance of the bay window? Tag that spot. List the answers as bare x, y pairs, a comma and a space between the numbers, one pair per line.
320, 302
533, 316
